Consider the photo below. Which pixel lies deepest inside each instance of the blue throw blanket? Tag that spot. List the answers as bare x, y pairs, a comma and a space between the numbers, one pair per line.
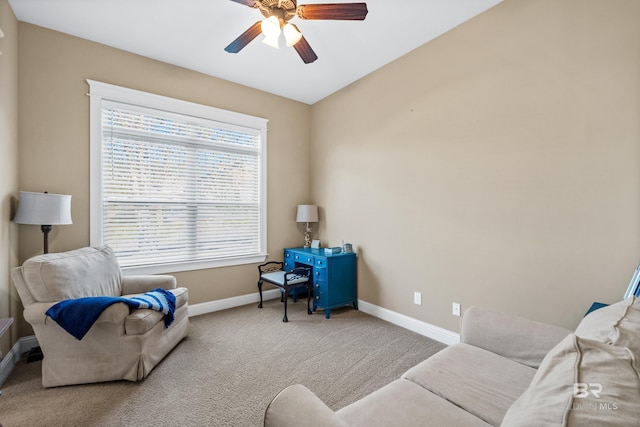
76, 316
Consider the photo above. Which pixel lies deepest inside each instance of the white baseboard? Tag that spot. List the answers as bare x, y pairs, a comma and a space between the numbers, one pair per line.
445, 336
10, 360
423, 328
426, 329
223, 304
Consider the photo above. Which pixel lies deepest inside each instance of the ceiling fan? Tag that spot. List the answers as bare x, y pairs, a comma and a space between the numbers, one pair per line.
277, 14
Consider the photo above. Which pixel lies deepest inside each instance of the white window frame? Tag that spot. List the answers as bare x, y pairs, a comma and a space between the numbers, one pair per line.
99, 93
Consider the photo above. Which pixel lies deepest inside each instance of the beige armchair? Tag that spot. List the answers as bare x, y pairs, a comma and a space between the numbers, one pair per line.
123, 343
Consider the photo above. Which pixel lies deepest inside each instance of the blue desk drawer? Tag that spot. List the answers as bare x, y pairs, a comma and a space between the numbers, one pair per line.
289, 264
320, 286
319, 274
292, 260
303, 259
320, 299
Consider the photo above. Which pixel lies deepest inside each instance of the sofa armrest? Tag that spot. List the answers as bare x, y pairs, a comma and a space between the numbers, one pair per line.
35, 313
144, 283
297, 405
522, 340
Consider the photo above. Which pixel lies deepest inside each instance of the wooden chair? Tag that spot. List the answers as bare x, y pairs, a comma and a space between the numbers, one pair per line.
288, 282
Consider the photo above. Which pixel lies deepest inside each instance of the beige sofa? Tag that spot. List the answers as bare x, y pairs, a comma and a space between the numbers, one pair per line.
123, 343
506, 371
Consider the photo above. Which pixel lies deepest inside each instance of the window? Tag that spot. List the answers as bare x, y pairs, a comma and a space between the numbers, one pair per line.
175, 185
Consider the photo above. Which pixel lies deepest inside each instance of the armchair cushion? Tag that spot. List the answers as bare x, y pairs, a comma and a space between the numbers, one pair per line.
141, 321
85, 272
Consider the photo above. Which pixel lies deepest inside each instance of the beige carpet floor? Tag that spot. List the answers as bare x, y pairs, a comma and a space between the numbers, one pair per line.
228, 369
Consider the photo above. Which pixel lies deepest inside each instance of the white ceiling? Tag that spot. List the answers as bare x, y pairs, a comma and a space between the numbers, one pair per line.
193, 34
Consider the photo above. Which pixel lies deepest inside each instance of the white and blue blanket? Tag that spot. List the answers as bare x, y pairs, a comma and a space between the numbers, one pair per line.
76, 316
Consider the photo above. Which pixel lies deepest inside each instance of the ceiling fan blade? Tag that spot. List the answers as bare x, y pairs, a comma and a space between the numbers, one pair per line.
304, 50
341, 11
250, 3
245, 38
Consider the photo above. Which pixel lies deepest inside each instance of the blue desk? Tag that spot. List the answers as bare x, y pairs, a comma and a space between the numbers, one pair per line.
334, 276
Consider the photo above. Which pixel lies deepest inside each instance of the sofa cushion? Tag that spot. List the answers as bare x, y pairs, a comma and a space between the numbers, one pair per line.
403, 403
581, 382
79, 273
617, 324
523, 340
480, 382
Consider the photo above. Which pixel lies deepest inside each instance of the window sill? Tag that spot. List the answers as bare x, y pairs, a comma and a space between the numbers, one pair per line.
192, 265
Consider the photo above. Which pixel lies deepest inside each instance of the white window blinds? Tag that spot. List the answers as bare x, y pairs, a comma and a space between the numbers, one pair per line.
179, 190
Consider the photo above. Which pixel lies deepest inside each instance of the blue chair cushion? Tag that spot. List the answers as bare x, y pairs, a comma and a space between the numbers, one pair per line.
277, 277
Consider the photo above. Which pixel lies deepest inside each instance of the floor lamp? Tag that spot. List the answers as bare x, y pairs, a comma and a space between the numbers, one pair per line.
45, 210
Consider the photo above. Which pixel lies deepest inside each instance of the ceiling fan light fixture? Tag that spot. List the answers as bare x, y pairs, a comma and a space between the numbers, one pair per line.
270, 26
291, 34
277, 14
272, 41
271, 30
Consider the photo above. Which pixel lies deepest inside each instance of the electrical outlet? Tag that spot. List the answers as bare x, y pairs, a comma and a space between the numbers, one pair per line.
417, 298
456, 309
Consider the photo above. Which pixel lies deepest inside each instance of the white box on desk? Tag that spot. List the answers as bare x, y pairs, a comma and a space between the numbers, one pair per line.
331, 251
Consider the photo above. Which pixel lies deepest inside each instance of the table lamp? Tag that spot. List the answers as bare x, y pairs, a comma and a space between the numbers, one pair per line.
43, 209
307, 214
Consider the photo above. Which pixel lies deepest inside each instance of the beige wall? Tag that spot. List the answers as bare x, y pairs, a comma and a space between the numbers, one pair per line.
495, 166
8, 168
54, 141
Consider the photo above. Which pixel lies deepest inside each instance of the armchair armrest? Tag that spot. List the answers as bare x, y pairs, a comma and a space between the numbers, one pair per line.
522, 340
144, 283
296, 403
35, 313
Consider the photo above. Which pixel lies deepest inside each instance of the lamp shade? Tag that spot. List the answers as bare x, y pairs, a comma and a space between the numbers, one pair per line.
43, 209
291, 34
271, 30
307, 213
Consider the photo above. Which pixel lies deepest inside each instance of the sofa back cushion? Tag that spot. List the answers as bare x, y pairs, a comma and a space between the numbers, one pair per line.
580, 383
522, 340
79, 273
617, 324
